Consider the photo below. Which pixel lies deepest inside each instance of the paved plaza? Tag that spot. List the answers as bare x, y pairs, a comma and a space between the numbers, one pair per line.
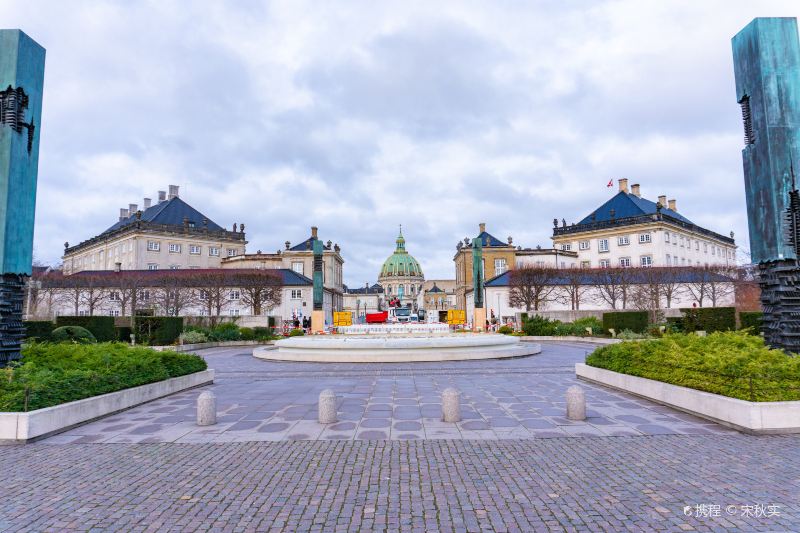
513, 464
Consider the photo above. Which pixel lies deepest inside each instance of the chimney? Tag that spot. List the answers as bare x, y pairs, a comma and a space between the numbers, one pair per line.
482, 227
123, 213
673, 206
132, 208
147, 203
662, 200
313, 232
173, 191
623, 184
117, 266
162, 196
635, 190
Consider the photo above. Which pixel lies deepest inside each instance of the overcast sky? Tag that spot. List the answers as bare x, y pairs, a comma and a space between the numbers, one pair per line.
357, 117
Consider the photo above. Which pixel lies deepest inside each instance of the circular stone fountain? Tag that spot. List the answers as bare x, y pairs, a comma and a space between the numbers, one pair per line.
396, 348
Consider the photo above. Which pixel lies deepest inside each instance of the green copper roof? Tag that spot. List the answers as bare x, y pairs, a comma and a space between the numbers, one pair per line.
401, 263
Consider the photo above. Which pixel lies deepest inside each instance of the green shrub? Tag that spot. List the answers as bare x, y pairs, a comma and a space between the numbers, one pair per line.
158, 330
578, 328
227, 331
674, 324
751, 320
38, 329
709, 319
635, 321
733, 364
102, 327
193, 337
247, 334
73, 335
51, 374
296, 332
628, 335
271, 322
124, 333
539, 326
263, 334
505, 330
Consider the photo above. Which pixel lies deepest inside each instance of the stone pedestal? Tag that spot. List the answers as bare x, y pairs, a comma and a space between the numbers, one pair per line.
479, 319
451, 405
317, 321
206, 409
327, 407
576, 403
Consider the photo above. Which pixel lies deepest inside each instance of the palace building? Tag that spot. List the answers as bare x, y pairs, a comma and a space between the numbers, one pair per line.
629, 230
401, 276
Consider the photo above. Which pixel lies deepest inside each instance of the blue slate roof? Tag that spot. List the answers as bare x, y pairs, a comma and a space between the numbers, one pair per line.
595, 276
492, 240
435, 288
307, 244
628, 205
170, 212
374, 289
290, 277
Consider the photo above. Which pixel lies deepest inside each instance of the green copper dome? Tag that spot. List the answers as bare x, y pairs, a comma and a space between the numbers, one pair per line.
401, 263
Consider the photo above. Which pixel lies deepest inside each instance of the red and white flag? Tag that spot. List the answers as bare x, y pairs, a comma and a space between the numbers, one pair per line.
610, 183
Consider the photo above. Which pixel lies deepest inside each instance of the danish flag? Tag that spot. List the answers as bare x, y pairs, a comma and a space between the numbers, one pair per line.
610, 183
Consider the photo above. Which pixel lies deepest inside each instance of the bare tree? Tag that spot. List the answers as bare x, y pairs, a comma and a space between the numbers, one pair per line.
574, 286
533, 287
213, 287
613, 286
671, 283
95, 291
261, 289
711, 283
129, 286
173, 292
645, 291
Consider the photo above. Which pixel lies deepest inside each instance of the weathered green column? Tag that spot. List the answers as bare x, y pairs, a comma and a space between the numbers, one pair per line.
479, 313
318, 313
21, 81
766, 58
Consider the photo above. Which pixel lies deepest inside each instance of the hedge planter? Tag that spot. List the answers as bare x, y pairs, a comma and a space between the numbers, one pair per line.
570, 338
204, 345
756, 418
32, 425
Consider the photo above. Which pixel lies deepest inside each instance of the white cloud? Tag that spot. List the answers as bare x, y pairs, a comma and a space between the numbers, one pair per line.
359, 116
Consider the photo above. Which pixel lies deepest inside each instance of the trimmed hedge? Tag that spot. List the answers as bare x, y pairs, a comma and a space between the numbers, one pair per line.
751, 319
102, 327
124, 333
52, 374
709, 319
38, 329
72, 335
732, 364
158, 330
619, 321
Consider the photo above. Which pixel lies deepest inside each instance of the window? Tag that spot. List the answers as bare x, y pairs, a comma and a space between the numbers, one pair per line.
675, 260
153, 246
194, 249
174, 248
231, 252
297, 294
297, 267
113, 312
713, 250
113, 296
499, 266
145, 296
234, 312
624, 261
697, 245
624, 240
644, 238
566, 247
586, 264
646, 260
604, 263
666, 236
583, 245
602, 245
669, 260
213, 251
234, 295
174, 267
705, 247
152, 266
83, 313
203, 295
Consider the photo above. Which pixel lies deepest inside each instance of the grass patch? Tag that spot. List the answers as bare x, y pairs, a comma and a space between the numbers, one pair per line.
52, 374
732, 364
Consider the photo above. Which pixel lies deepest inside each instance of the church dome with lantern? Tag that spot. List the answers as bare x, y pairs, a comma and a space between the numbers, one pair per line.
401, 276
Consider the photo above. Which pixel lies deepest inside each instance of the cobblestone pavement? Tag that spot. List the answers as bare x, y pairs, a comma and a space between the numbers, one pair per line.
504, 399
390, 465
585, 484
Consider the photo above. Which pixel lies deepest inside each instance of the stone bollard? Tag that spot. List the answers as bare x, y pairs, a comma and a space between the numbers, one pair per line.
576, 403
451, 406
327, 407
206, 409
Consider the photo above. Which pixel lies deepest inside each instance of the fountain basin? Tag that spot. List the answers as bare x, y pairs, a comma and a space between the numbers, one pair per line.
396, 348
